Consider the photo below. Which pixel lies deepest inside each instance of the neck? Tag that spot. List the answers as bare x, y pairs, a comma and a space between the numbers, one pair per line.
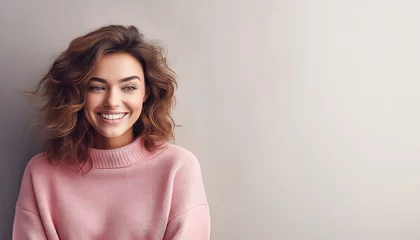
125, 156
102, 142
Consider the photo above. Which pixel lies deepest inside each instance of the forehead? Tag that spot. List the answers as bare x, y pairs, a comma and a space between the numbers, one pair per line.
115, 66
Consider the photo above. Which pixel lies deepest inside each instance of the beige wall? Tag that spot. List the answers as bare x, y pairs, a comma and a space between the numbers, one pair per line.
304, 114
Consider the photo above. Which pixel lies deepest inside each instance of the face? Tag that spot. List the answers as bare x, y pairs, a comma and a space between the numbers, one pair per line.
114, 98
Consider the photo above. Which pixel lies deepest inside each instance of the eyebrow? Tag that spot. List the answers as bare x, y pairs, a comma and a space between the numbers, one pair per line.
120, 81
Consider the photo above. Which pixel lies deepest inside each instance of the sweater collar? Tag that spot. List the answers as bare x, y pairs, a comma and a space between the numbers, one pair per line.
119, 157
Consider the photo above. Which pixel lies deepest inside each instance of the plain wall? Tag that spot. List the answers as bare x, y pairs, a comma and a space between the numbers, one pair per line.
303, 114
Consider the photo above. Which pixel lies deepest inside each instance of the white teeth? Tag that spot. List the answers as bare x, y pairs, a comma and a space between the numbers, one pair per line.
112, 116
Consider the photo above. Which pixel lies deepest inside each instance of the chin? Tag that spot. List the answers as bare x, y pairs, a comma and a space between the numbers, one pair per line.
112, 134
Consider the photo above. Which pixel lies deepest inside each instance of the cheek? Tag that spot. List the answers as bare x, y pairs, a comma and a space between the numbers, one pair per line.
136, 109
91, 102
136, 103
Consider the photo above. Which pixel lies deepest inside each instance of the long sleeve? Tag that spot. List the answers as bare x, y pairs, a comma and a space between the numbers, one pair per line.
130, 193
189, 217
193, 224
27, 222
27, 225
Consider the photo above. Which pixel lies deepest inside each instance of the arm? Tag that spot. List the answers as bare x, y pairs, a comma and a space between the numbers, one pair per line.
189, 215
27, 223
192, 224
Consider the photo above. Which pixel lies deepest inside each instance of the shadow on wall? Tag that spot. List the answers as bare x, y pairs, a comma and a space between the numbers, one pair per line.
20, 140
23, 141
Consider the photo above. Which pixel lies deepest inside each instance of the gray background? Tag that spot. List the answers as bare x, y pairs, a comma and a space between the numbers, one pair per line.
303, 113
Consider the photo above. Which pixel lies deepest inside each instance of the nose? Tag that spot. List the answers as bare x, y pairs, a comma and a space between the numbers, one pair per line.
112, 99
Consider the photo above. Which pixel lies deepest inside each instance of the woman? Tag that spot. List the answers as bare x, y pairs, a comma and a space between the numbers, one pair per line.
108, 171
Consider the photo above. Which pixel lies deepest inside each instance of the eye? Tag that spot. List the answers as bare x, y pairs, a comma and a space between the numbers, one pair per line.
129, 88
96, 88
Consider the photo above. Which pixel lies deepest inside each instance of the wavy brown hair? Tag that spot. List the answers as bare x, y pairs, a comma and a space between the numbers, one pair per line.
63, 91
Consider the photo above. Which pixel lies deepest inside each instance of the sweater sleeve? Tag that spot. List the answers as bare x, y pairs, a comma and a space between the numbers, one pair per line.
27, 222
189, 216
27, 225
193, 224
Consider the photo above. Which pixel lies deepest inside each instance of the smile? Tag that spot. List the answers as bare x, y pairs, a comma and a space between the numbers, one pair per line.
112, 116
113, 119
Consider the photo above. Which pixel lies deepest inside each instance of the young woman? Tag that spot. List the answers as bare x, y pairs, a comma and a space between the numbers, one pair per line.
108, 170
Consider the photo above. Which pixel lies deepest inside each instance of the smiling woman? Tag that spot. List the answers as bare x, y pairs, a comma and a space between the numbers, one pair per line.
113, 106
103, 57
108, 170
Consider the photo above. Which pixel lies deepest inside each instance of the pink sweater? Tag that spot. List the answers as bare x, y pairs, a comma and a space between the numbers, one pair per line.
129, 194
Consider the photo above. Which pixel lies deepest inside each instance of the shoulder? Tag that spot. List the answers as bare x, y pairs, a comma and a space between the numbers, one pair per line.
181, 154
180, 158
35, 171
38, 163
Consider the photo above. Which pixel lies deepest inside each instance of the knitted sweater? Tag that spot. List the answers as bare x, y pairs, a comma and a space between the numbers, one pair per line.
130, 193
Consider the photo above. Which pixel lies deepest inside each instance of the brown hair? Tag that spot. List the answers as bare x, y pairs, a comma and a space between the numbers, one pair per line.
63, 92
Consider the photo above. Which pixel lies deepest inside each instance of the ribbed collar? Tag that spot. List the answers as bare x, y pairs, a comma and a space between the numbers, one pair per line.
119, 157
